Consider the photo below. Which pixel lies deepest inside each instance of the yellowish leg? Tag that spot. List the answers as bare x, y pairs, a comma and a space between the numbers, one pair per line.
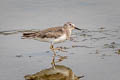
54, 51
58, 48
61, 58
53, 62
53, 59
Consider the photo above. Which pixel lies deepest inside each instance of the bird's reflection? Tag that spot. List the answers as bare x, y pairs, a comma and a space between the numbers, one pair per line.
54, 60
60, 72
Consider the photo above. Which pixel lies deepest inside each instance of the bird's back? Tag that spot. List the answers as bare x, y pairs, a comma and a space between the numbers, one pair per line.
53, 32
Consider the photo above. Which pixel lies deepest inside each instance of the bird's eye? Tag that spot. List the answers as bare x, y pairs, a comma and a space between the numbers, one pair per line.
70, 24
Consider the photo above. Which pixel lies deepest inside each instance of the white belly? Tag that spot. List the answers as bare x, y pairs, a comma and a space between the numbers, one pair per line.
53, 40
60, 39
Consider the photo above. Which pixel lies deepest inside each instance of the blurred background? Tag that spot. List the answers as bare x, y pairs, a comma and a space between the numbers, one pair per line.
95, 53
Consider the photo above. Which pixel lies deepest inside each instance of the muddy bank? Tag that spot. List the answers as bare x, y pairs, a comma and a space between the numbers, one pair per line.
60, 72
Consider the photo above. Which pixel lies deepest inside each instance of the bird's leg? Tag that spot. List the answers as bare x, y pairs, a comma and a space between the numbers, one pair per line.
53, 62
53, 49
60, 49
53, 59
61, 58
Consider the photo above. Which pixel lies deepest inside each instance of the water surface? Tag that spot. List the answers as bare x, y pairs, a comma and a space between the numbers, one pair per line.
92, 53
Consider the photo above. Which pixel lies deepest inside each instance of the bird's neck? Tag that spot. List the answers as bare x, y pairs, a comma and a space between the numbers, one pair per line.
68, 33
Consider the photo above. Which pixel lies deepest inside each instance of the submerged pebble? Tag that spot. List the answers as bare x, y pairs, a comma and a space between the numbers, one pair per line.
118, 51
19, 56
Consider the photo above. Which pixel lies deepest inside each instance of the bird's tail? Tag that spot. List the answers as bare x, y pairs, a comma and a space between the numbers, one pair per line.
28, 35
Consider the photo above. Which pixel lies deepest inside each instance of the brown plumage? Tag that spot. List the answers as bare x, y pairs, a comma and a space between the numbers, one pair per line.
53, 32
52, 35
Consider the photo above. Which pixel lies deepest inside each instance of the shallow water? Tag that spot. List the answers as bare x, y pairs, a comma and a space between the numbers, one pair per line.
93, 51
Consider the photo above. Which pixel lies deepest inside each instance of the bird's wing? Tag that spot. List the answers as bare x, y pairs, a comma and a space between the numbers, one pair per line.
52, 32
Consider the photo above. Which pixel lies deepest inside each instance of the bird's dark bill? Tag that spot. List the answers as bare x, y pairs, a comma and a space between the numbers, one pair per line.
77, 28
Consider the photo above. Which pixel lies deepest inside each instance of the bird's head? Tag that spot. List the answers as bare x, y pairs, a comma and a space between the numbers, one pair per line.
71, 26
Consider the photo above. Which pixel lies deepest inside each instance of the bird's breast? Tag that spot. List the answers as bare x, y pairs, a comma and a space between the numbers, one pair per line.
60, 39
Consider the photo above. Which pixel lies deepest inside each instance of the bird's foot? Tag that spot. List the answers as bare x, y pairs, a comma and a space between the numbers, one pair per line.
53, 65
51, 47
62, 49
53, 60
61, 58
